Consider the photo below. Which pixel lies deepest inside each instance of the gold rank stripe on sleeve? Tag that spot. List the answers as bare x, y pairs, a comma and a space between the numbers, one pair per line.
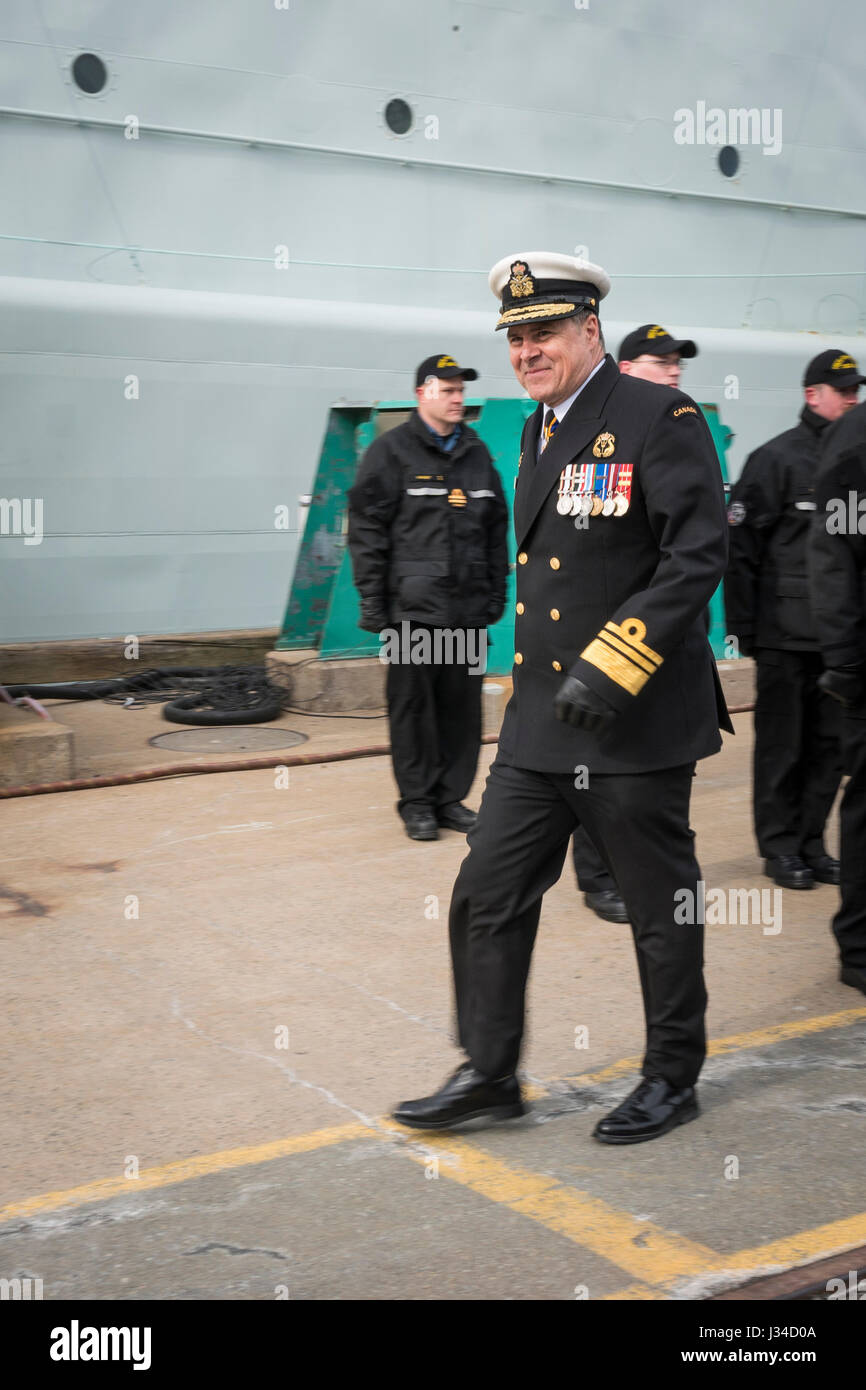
621, 653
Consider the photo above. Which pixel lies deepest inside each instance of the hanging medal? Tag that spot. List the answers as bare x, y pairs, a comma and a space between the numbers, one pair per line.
580, 483
623, 489
563, 501
599, 474
577, 484
609, 506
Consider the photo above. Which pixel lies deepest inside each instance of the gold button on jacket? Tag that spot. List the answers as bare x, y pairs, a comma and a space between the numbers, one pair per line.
520, 608
518, 658
556, 666
554, 613
554, 563
522, 558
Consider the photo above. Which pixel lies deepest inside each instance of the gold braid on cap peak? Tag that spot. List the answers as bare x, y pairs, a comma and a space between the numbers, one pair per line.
535, 311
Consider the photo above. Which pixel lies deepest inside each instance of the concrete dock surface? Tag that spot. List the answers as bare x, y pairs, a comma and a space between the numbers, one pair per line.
216, 987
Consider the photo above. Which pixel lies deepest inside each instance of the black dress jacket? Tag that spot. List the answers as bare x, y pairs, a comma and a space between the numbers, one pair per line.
770, 515
838, 543
618, 600
427, 531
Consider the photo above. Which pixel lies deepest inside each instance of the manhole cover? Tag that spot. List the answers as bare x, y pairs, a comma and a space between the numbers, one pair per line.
234, 738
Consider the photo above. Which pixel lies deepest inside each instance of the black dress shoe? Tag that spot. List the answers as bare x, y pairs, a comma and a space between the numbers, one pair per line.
456, 817
825, 869
652, 1109
789, 871
853, 976
607, 905
421, 825
467, 1095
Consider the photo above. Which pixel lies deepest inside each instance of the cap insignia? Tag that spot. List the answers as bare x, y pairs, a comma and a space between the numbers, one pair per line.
521, 283
844, 364
657, 332
446, 362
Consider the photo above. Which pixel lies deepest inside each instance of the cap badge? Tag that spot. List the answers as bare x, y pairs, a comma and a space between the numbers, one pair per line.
521, 283
844, 364
446, 362
604, 446
457, 497
658, 332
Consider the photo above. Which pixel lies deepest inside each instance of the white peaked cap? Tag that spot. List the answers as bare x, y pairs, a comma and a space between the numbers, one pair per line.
539, 285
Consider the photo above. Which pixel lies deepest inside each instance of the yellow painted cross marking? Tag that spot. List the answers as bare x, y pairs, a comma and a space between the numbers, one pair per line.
656, 1259
588, 1221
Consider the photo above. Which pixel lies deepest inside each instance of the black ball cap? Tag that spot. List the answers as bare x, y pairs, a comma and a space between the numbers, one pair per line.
833, 367
653, 340
443, 366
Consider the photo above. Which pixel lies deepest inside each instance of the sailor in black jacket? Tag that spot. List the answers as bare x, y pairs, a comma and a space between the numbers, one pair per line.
797, 760
620, 526
837, 562
427, 537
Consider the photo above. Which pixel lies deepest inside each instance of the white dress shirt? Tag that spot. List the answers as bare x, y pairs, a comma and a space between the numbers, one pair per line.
562, 408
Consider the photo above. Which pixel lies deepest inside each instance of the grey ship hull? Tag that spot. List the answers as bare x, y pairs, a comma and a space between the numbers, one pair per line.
181, 309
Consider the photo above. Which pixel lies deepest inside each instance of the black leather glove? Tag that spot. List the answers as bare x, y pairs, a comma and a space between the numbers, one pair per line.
579, 706
372, 619
847, 684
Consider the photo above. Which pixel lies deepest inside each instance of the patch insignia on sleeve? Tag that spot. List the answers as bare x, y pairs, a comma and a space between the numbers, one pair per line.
736, 514
683, 410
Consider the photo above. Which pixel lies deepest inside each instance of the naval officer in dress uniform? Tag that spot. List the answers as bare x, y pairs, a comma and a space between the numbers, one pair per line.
620, 525
653, 354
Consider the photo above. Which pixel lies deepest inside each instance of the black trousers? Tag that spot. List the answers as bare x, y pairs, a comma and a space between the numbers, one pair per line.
798, 757
590, 869
434, 714
517, 851
849, 924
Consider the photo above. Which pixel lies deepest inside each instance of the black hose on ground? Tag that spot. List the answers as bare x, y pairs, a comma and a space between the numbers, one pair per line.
202, 695
163, 678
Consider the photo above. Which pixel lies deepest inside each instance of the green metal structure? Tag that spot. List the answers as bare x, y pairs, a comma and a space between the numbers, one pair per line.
323, 607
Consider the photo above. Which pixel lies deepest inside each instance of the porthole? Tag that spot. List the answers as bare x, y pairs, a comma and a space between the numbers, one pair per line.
398, 116
729, 161
90, 73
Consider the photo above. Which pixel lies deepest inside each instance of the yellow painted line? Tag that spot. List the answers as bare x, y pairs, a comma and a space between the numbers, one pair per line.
834, 1238
656, 1257
586, 1220
737, 1042
181, 1171
633, 1293
639, 1247
533, 1091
